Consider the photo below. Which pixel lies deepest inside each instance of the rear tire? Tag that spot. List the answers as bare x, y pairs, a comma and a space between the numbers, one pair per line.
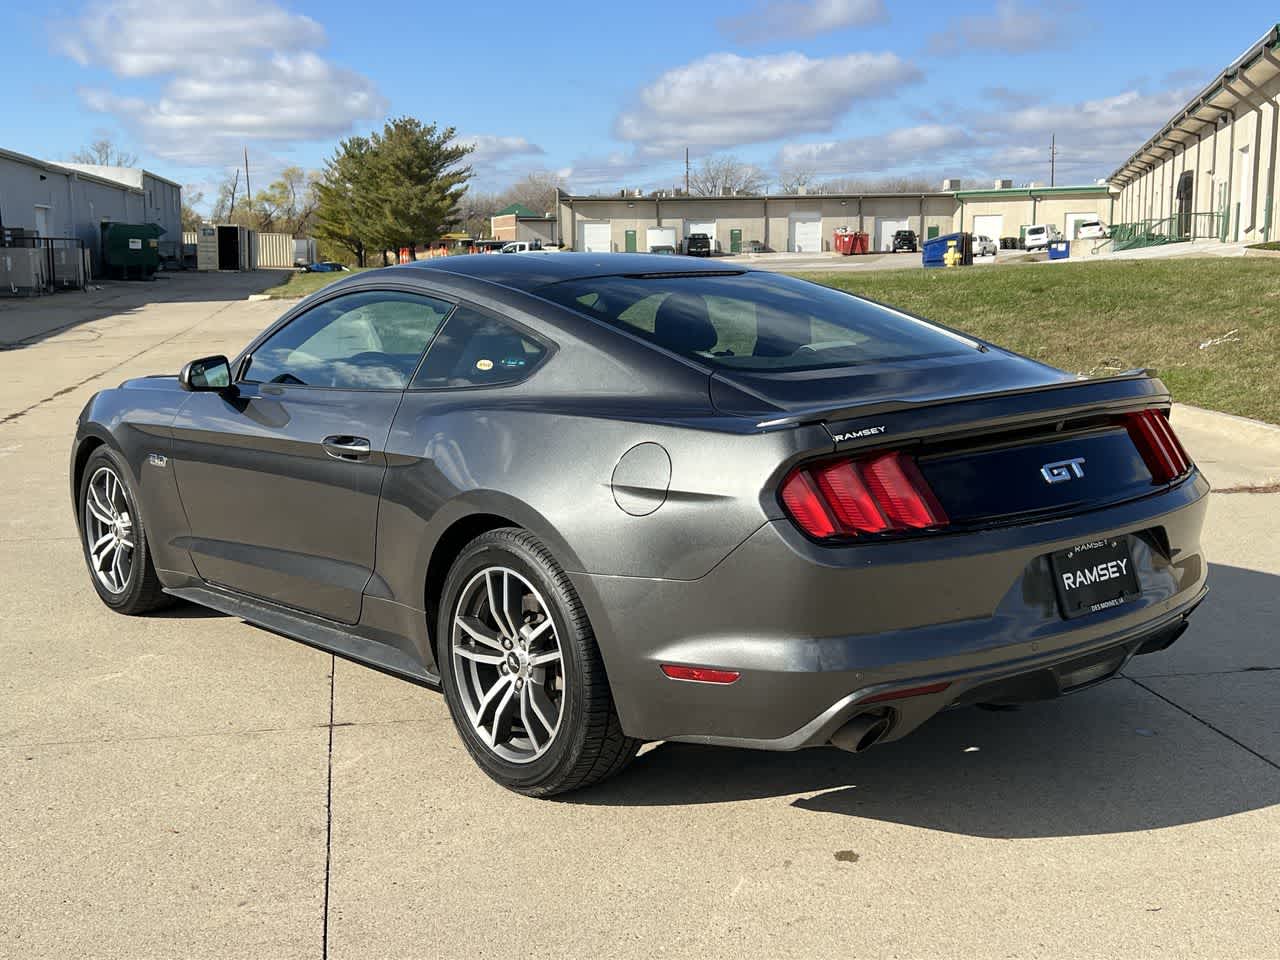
113, 538
521, 671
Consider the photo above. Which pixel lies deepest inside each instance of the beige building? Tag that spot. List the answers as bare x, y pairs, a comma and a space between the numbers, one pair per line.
808, 223
1210, 171
518, 222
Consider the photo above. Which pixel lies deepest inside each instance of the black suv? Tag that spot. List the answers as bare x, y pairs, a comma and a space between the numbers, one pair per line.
905, 240
697, 245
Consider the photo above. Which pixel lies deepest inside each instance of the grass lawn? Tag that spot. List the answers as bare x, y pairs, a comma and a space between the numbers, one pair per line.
298, 284
1096, 318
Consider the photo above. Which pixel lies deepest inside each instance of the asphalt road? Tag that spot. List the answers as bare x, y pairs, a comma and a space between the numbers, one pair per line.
186, 785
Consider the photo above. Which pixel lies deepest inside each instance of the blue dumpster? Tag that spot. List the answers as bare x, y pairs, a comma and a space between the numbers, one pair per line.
1059, 249
934, 251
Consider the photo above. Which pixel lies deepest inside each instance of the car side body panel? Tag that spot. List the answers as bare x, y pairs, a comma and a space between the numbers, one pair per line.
135, 420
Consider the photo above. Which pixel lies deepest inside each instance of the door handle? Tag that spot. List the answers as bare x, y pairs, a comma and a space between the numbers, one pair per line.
347, 448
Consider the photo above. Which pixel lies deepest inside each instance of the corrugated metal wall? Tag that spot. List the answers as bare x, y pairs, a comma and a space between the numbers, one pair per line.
274, 250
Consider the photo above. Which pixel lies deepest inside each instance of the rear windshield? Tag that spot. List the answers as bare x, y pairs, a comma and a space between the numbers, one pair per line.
756, 321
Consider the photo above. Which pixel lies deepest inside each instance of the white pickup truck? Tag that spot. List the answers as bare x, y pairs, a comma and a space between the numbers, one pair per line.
528, 246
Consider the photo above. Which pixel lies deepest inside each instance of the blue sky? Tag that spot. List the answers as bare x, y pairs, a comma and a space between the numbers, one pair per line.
610, 94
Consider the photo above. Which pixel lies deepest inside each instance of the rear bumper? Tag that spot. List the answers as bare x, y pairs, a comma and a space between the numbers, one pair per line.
816, 632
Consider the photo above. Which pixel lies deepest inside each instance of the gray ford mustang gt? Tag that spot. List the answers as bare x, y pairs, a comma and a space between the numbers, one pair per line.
604, 499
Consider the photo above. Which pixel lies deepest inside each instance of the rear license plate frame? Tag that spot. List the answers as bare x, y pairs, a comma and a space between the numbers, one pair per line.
1119, 586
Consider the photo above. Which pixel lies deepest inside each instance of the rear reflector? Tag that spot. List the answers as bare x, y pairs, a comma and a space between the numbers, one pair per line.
909, 692
881, 494
1160, 449
699, 674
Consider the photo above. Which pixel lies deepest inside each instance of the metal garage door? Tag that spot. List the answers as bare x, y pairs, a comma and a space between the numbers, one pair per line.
989, 225
887, 228
597, 237
702, 226
806, 233
659, 237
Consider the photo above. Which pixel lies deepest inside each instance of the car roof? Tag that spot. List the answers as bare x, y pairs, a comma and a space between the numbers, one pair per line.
530, 272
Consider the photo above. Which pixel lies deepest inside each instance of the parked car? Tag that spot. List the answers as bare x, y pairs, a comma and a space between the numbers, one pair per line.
984, 246
1091, 230
806, 518
697, 245
326, 266
662, 248
1040, 236
905, 241
529, 246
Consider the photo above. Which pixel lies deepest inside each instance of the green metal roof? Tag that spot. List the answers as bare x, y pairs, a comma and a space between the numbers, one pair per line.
1091, 189
519, 209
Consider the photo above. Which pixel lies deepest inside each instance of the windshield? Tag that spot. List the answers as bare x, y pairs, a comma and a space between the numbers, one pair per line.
756, 321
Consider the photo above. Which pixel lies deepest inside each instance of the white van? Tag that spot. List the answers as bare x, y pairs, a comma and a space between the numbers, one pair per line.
1040, 236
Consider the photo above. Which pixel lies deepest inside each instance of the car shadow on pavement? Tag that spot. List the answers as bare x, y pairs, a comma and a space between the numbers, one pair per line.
1113, 759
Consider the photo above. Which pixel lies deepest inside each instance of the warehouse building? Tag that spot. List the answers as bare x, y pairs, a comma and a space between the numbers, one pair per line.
73, 201
518, 222
161, 197
808, 223
1210, 171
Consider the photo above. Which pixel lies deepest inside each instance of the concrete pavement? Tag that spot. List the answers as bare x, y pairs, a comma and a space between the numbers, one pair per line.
186, 785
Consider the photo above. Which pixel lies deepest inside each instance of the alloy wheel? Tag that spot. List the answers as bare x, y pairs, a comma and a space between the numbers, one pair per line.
508, 664
108, 530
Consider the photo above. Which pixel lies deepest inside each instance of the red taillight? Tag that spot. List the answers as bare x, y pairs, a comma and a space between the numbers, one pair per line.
699, 674
908, 502
801, 499
1160, 449
882, 494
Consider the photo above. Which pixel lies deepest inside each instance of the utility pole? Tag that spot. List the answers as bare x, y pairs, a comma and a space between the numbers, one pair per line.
1053, 159
686, 171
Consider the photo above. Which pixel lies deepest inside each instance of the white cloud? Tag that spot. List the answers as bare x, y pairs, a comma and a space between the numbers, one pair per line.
726, 100
272, 88
783, 19
487, 147
141, 38
905, 148
1013, 27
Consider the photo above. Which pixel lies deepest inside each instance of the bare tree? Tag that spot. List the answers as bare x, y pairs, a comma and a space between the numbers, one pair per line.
904, 184
726, 176
105, 154
477, 208
537, 191
191, 199
797, 180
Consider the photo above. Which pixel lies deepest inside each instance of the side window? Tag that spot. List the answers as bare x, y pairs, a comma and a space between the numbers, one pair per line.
475, 349
362, 341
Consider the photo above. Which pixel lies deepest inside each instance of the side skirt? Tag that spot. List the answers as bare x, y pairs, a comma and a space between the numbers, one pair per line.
326, 636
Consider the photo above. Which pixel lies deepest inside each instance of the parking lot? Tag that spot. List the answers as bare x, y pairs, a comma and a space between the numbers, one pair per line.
187, 785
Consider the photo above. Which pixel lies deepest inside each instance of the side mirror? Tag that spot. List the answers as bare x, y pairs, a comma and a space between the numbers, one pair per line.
207, 373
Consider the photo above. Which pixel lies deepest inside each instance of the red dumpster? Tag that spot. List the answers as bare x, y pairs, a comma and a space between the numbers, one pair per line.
842, 241
861, 242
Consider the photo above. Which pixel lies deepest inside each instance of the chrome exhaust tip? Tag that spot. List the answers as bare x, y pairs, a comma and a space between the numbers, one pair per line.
861, 732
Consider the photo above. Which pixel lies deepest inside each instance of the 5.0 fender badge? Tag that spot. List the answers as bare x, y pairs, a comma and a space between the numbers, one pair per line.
157, 460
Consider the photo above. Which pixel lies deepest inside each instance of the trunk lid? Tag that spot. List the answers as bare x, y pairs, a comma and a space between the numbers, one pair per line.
997, 438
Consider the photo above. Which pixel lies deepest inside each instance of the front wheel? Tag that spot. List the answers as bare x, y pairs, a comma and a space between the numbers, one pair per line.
114, 538
521, 670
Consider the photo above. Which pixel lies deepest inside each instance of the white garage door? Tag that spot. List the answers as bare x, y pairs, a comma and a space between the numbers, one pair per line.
806, 233
597, 237
989, 225
659, 237
887, 228
702, 226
